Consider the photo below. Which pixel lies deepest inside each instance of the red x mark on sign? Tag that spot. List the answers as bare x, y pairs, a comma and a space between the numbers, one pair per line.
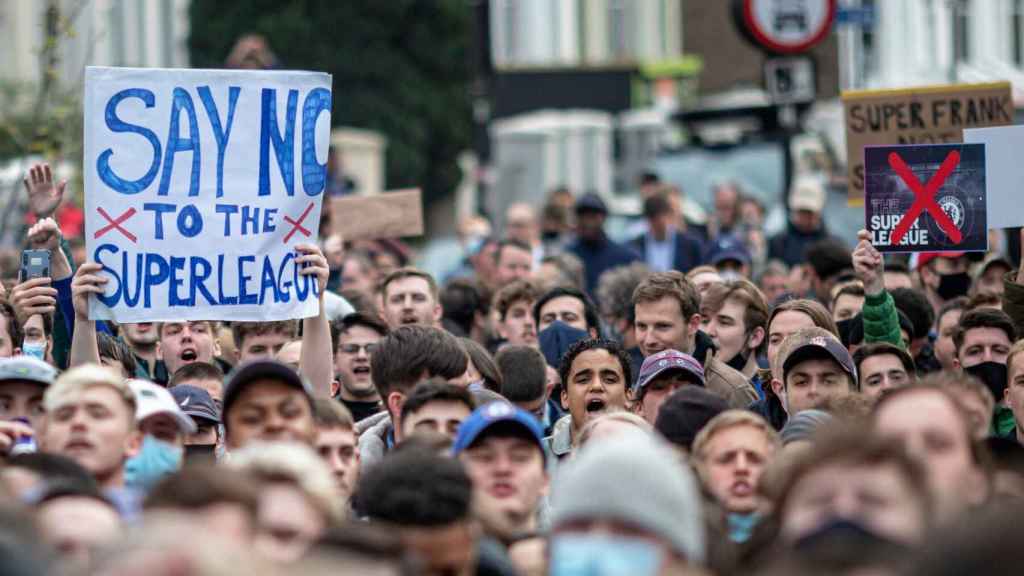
115, 224
924, 196
297, 226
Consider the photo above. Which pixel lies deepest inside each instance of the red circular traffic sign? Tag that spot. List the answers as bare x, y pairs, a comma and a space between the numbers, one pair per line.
788, 26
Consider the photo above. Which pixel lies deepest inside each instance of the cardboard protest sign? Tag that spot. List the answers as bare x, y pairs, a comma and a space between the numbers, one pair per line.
927, 198
396, 214
1004, 172
198, 186
930, 115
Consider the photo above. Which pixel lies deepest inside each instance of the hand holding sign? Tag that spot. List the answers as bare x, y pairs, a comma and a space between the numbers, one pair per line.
87, 281
869, 265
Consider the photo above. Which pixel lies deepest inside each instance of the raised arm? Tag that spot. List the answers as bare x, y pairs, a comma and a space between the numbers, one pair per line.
316, 360
44, 195
84, 349
881, 321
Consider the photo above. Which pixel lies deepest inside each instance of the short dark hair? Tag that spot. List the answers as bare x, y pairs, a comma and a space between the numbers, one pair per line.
958, 303
196, 371
483, 362
828, 257
671, 284
881, 349
850, 289
517, 291
461, 301
118, 351
615, 291
347, 322
415, 488
68, 488
589, 309
656, 205
50, 467
523, 373
983, 318
356, 544
197, 486
510, 243
242, 330
403, 356
613, 348
403, 273
330, 413
13, 327
435, 390
917, 308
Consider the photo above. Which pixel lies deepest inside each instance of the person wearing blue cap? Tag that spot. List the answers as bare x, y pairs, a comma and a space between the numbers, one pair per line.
502, 449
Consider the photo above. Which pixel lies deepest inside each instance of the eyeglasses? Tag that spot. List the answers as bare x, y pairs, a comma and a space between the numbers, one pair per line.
353, 349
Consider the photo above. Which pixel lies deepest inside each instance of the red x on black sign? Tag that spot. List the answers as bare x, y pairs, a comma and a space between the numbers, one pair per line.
924, 196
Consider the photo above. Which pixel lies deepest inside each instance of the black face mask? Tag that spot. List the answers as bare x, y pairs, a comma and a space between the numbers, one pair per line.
953, 285
200, 452
739, 361
846, 543
993, 374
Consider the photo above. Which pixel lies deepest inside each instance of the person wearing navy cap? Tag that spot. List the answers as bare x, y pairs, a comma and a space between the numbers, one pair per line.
729, 256
661, 375
197, 403
502, 450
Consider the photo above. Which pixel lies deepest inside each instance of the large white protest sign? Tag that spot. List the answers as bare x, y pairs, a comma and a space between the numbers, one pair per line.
1004, 171
198, 186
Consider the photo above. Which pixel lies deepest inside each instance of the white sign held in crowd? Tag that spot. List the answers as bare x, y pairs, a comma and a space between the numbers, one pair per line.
198, 186
1004, 172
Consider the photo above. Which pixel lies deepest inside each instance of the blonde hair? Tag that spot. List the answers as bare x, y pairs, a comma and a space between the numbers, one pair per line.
616, 416
726, 420
292, 463
84, 377
1016, 349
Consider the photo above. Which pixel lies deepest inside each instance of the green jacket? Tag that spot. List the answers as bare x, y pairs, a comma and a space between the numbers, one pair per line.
881, 322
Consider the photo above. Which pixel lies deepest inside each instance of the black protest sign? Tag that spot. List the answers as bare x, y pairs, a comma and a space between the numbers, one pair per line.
928, 198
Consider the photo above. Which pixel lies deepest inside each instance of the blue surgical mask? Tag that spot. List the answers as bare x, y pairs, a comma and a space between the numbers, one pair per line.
156, 460
600, 555
741, 526
36, 350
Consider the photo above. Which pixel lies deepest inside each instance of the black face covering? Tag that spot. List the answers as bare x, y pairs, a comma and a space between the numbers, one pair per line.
953, 285
993, 374
200, 452
846, 543
738, 361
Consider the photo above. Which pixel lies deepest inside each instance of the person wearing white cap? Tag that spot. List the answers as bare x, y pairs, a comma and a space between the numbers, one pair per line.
164, 427
807, 199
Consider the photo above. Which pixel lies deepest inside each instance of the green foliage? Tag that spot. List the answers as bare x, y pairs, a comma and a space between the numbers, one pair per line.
400, 67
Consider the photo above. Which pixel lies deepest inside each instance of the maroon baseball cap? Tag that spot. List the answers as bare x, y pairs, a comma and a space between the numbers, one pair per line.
658, 364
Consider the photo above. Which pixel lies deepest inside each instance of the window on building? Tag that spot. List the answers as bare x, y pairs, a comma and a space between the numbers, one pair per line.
961, 30
1017, 32
617, 29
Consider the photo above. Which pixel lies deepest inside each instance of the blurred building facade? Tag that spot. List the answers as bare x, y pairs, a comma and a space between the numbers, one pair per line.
142, 33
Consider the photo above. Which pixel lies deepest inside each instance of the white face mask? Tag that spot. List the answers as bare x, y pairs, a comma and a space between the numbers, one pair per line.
36, 350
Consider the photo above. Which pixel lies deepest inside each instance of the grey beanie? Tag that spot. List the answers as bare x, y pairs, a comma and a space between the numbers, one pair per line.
803, 425
635, 479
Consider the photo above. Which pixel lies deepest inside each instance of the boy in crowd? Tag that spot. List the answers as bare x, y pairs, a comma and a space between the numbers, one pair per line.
513, 306
437, 407
336, 444
356, 336
502, 449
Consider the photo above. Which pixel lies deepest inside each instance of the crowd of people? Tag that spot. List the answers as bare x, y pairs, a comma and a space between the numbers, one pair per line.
700, 400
